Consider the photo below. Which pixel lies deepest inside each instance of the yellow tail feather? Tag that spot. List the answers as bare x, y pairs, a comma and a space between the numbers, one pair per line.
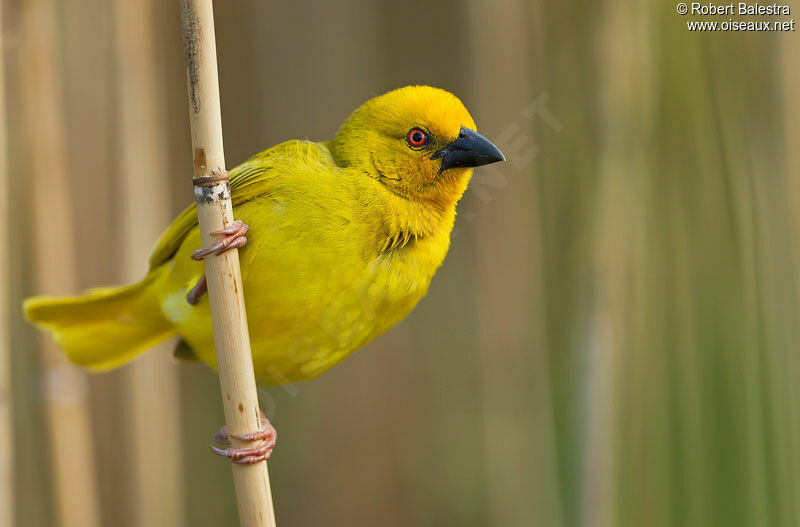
105, 327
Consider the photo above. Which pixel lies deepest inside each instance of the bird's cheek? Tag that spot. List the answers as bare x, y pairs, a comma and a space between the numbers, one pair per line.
410, 172
386, 167
428, 170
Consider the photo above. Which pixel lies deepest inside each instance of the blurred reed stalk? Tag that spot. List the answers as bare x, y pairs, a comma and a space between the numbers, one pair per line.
790, 55
790, 58
520, 454
153, 399
690, 356
624, 93
6, 407
68, 419
215, 212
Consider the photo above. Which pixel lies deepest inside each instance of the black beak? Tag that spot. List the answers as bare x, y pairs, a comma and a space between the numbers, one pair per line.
471, 149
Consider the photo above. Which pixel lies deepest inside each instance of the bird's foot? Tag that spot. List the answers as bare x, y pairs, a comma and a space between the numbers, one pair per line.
266, 435
233, 237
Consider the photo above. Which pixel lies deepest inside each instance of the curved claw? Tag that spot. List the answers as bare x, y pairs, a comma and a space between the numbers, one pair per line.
237, 227
256, 454
220, 247
233, 237
266, 435
262, 434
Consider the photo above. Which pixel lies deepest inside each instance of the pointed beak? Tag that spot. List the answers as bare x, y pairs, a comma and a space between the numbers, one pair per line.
471, 149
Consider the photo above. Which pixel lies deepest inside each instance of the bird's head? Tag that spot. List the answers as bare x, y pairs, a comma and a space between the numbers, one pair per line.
420, 142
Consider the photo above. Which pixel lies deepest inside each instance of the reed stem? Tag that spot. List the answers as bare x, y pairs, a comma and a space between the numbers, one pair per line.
66, 391
215, 211
6, 407
153, 402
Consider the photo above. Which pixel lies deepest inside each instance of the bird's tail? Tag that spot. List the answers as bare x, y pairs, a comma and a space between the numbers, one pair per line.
105, 327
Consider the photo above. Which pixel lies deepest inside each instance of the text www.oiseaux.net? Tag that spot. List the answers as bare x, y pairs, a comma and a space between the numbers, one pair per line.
742, 9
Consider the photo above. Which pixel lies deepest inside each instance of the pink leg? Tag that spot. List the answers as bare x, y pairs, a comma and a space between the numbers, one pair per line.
232, 237
197, 291
266, 435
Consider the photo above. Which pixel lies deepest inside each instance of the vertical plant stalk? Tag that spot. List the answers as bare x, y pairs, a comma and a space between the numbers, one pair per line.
215, 211
515, 371
153, 401
790, 398
66, 391
6, 408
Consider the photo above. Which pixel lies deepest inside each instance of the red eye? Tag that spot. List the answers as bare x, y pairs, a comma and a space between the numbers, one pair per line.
416, 137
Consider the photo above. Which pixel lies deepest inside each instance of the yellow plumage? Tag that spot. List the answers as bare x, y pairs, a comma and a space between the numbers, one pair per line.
344, 239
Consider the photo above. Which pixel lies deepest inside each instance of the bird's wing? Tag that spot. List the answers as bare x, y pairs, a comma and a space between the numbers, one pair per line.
252, 178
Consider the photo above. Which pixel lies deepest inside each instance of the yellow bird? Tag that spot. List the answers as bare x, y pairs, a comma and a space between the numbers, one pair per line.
344, 239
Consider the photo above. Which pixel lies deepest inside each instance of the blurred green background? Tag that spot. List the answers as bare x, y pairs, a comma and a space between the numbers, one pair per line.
612, 340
